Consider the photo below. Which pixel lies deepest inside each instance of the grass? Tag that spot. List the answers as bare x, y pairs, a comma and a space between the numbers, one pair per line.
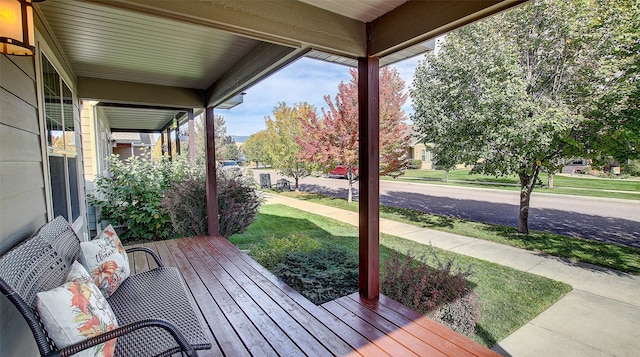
509, 298
626, 259
566, 185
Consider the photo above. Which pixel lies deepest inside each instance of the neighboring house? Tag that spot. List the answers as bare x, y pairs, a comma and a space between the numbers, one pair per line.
132, 144
151, 64
419, 150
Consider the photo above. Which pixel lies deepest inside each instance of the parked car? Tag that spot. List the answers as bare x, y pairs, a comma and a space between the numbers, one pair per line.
341, 171
230, 166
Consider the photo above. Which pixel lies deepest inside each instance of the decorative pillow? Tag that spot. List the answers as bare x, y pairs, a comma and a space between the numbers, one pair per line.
106, 261
74, 312
79, 274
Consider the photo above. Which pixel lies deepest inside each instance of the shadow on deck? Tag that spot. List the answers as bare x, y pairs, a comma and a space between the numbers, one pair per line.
250, 312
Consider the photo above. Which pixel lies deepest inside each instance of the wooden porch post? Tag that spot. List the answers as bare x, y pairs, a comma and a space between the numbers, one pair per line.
368, 122
177, 132
169, 147
162, 143
212, 189
192, 136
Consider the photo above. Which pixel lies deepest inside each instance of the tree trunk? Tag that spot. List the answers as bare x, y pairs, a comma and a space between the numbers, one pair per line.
297, 180
351, 179
527, 182
446, 175
523, 218
550, 180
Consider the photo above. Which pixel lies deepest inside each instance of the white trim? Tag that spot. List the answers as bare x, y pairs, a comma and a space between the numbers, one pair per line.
79, 224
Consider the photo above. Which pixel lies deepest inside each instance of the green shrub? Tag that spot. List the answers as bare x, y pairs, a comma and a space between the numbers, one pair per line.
440, 292
274, 249
186, 203
321, 275
632, 168
132, 193
415, 164
167, 199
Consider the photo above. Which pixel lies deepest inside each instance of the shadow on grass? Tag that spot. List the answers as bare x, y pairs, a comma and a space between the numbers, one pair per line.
419, 218
574, 251
593, 227
485, 336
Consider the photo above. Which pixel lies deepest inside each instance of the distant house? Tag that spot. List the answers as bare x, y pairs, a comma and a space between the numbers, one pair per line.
132, 144
419, 150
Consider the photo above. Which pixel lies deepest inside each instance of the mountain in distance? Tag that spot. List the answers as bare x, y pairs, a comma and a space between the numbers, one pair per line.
240, 138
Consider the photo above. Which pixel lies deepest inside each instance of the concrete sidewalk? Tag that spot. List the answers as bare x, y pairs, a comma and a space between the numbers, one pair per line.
600, 317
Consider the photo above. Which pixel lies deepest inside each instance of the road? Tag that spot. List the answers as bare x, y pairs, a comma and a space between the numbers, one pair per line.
602, 219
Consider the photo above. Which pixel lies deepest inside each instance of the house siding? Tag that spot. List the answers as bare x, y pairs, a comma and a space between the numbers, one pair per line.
23, 207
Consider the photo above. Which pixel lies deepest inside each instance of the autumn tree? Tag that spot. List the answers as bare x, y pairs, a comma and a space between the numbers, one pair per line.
255, 148
281, 145
333, 138
506, 94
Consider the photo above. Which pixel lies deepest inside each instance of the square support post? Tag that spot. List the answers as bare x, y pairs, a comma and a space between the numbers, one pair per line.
369, 191
162, 143
178, 149
169, 146
213, 226
192, 136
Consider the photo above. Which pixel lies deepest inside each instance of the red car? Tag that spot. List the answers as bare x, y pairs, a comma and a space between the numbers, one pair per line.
341, 171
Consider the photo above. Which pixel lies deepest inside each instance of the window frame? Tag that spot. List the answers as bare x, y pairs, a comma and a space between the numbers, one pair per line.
67, 152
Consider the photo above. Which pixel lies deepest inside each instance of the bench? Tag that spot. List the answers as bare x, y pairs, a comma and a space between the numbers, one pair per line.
153, 308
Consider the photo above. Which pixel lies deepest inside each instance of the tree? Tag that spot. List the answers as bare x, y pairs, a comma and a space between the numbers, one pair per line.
255, 148
333, 139
612, 127
281, 145
500, 95
220, 135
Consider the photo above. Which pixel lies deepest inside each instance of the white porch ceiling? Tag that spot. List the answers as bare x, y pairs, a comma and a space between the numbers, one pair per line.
133, 119
116, 44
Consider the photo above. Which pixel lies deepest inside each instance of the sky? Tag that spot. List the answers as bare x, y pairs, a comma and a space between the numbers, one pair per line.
306, 80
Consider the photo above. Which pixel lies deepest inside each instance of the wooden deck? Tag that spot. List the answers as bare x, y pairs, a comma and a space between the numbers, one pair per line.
250, 312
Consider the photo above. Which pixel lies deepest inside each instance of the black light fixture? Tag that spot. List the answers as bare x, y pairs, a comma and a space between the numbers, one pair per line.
16, 27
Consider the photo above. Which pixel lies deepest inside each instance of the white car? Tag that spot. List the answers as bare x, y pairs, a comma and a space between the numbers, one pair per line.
231, 166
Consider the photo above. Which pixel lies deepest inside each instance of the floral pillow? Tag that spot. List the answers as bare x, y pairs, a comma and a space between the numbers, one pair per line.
78, 273
76, 311
106, 261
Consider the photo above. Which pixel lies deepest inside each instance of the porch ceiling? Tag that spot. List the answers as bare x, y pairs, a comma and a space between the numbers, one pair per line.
143, 119
192, 54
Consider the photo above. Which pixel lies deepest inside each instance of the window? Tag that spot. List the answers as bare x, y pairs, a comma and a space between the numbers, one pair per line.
61, 143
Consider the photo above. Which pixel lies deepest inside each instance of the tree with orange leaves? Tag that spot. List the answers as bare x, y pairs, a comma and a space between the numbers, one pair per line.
333, 139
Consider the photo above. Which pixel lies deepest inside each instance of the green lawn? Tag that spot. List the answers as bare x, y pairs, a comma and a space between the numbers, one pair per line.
568, 185
509, 297
612, 256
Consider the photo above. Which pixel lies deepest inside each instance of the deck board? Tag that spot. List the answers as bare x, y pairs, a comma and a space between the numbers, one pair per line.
250, 312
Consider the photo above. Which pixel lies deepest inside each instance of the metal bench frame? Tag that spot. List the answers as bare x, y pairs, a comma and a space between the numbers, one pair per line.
153, 308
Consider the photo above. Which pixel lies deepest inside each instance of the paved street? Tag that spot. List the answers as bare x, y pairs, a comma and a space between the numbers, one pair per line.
612, 220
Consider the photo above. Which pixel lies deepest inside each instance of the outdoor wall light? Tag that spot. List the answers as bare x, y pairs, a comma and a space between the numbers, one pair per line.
16, 27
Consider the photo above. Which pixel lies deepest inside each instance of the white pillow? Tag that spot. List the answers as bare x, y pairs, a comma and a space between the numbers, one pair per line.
78, 273
106, 261
74, 312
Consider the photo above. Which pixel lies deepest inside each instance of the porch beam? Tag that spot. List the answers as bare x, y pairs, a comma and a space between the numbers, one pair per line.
415, 22
286, 22
369, 191
258, 64
213, 225
107, 90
